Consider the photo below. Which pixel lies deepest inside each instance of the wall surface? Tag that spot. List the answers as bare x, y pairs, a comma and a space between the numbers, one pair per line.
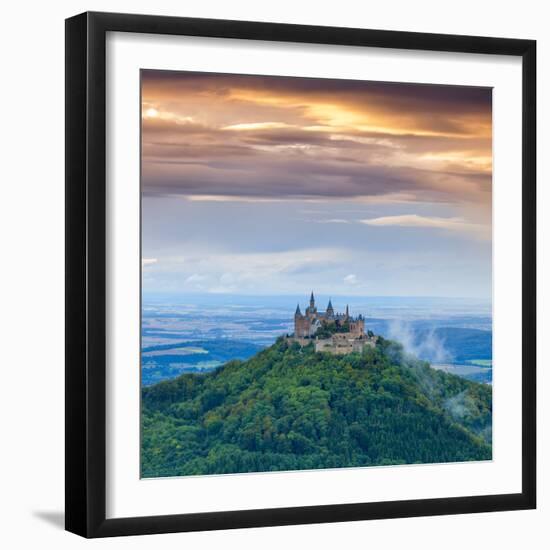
32, 262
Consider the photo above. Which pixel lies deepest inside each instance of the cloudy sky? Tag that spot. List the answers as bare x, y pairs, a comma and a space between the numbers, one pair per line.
277, 185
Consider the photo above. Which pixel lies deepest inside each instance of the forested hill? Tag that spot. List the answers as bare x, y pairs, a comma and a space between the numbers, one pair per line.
290, 408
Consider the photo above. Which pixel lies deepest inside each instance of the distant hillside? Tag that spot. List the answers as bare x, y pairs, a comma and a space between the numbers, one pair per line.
464, 344
289, 408
165, 361
438, 344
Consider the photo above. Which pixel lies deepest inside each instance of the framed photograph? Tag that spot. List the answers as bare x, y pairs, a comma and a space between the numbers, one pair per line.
300, 274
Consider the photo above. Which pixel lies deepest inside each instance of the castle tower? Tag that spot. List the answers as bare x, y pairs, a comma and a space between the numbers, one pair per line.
330, 310
361, 324
347, 312
298, 322
311, 311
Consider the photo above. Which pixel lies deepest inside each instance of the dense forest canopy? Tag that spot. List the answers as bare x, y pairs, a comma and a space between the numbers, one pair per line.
290, 408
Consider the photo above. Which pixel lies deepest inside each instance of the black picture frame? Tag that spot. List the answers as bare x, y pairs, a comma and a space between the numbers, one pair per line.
86, 274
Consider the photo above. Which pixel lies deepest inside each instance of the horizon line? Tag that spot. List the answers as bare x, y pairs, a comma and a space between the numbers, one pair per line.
322, 294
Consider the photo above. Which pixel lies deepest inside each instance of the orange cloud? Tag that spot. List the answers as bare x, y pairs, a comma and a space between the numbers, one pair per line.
274, 138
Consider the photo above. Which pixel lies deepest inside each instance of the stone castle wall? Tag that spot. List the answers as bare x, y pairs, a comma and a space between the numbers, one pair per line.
343, 343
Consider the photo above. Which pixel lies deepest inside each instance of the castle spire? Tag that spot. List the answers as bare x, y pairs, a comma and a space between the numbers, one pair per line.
298, 312
330, 309
312, 300
347, 311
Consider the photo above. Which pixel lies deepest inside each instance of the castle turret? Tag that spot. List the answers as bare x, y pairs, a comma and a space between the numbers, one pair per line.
298, 312
311, 311
347, 311
330, 310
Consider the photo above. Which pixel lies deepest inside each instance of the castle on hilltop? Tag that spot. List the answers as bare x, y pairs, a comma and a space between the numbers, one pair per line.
305, 326
332, 332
